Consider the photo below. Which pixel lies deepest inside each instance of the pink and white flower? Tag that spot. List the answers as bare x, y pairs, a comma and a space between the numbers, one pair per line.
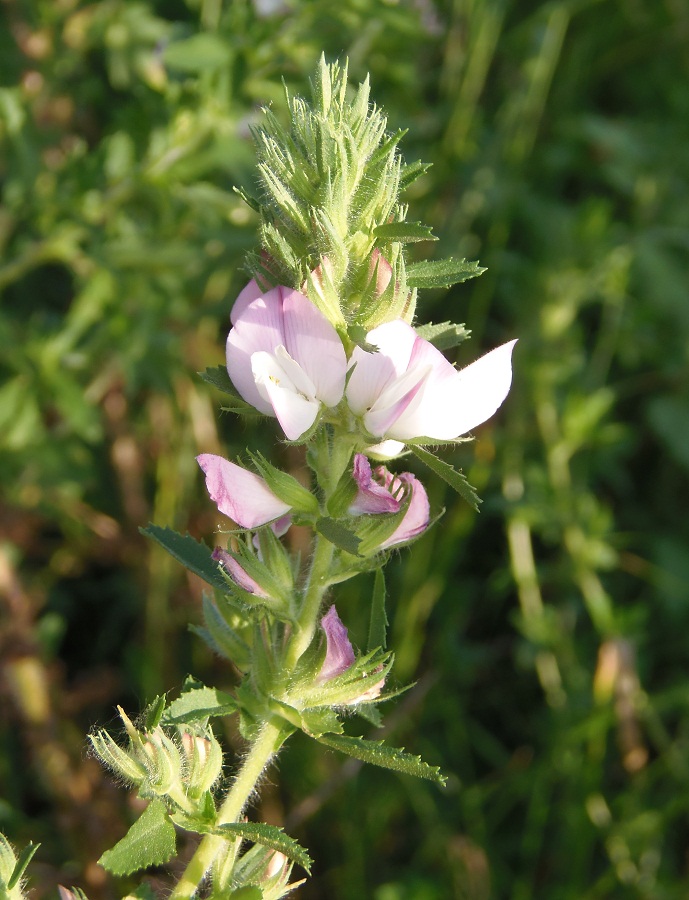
408, 390
380, 491
239, 494
284, 357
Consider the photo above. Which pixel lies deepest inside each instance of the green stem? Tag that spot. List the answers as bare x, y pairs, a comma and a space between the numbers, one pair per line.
262, 751
313, 596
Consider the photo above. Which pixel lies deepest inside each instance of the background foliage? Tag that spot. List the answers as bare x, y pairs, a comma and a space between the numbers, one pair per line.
548, 634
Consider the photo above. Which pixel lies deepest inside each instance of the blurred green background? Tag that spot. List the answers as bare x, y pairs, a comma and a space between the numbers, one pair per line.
548, 635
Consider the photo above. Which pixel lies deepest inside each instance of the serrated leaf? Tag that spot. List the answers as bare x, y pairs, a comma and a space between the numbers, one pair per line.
379, 754
404, 232
149, 842
199, 703
438, 273
450, 475
378, 624
268, 836
193, 554
337, 534
444, 336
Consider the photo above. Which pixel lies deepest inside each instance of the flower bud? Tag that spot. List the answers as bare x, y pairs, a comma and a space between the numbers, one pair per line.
202, 762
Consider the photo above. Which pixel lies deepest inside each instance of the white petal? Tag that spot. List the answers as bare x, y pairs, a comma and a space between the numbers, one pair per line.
453, 403
385, 450
295, 412
374, 372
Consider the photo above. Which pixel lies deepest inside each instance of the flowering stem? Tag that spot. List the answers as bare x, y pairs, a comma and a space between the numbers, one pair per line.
263, 749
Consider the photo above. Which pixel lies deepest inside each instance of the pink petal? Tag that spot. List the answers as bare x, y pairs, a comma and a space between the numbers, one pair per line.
237, 573
239, 494
339, 655
247, 295
312, 341
371, 497
418, 513
258, 327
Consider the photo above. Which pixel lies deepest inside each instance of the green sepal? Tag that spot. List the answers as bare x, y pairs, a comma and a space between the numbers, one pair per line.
341, 498
338, 535
450, 475
370, 713
411, 171
219, 634
217, 377
443, 336
404, 232
246, 892
149, 842
378, 623
248, 198
285, 486
375, 529
22, 861
439, 273
268, 836
193, 554
278, 601
379, 754
198, 703
276, 558
357, 335
154, 712
313, 721
346, 688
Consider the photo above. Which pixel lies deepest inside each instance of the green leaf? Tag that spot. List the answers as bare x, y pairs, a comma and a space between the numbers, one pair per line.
450, 475
379, 754
217, 377
444, 336
191, 553
149, 842
268, 836
404, 232
441, 272
337, 534
199, 702
378, 624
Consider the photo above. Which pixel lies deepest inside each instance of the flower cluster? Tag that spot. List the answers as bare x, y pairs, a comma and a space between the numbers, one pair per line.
287, 360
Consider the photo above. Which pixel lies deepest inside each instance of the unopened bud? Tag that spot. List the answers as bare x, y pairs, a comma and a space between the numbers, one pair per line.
203, 762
